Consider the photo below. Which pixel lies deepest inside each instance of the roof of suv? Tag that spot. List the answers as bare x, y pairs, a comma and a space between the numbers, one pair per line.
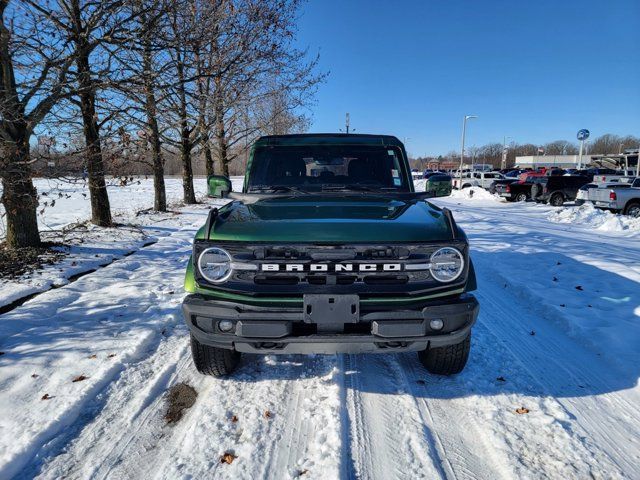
329, 139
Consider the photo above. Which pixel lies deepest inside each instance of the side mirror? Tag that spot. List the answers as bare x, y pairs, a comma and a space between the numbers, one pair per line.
438, 187
218, 186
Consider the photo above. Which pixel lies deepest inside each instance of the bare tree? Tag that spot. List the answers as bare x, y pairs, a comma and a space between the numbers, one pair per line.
259, 77
34, 63
144, 61
560, 147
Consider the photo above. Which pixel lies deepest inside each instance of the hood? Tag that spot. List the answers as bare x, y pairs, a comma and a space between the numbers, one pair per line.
330, 219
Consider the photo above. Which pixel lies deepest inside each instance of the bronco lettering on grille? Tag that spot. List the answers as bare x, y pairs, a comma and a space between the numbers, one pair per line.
326, 267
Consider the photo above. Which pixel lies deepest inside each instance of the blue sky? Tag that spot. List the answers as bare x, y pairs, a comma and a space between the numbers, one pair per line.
536, 71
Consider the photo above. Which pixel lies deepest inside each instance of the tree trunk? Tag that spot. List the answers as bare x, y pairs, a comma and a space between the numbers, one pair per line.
160, 194
204, 137
208, 157
185, 140
220, 131
100, 209
19, 198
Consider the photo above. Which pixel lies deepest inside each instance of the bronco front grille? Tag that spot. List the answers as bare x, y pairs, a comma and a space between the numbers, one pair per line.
295, 269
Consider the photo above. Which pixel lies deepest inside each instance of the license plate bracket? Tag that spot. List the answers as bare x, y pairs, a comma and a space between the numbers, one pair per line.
331, 309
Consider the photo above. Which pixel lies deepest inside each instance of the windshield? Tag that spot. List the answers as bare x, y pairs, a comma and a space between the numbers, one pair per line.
326, 168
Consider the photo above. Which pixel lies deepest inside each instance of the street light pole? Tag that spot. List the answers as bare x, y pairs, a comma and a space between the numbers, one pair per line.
504, 152
464, 131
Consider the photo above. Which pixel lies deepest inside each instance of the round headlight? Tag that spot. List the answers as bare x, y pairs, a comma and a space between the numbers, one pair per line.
214, 265
446, 264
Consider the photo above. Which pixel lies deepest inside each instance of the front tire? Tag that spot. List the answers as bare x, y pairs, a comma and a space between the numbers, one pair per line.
217, 362
447, 360
557, 200
521, 197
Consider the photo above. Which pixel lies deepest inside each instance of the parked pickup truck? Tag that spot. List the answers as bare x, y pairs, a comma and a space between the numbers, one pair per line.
329, 249
621, 198
476, 179
558, 189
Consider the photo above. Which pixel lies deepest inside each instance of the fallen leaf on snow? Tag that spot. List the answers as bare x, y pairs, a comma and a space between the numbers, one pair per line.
532, 333
562, 305
34, 375
522, 410
267, 414
228, 458
555, 279
501, 379
579, 287
46, 397
234, 419
111, 355
79, 378
93, 356
302, 472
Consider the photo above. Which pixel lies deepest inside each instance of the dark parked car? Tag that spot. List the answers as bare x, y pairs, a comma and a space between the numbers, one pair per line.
557, 189
501, 181
518, 191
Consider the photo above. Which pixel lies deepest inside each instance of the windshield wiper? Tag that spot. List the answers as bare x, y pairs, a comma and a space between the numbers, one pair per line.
275, 188
355, 187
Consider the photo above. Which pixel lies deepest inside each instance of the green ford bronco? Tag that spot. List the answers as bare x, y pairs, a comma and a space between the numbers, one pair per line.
328, 249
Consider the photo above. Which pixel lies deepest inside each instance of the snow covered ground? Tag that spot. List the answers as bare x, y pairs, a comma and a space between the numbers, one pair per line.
558, 335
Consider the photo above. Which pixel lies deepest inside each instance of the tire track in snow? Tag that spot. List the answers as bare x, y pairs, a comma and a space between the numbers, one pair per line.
133, 402
540, 357
386, 436
296, 390
81, 318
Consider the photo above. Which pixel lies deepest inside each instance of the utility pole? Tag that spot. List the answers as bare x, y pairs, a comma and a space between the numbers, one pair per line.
347, 123
464, 132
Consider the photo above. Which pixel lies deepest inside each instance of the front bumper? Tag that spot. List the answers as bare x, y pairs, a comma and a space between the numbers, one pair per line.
258, 329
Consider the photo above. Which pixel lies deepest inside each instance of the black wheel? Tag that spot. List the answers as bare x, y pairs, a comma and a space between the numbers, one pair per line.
557, 199
633, 210
217, 362
446, 360
521, 197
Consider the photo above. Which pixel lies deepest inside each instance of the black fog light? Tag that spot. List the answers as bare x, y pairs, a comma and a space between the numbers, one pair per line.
226, 325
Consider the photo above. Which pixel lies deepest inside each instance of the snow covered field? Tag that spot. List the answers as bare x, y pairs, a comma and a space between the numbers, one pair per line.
558, 336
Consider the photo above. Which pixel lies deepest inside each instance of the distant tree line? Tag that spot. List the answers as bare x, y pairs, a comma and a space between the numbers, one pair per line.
491, 153
123, 86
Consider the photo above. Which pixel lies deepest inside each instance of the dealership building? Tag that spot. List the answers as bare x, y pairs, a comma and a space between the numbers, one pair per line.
626, 159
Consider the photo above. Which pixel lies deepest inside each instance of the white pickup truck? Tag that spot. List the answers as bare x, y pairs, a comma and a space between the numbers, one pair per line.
623, 177
476, 179
622, 198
